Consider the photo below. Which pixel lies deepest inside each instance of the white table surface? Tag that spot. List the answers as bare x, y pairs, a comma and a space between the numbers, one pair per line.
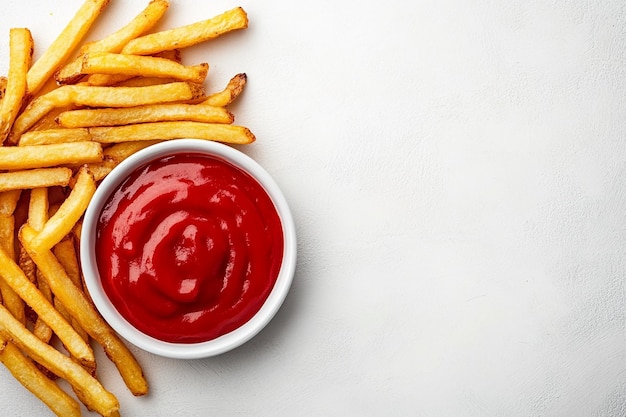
457, 173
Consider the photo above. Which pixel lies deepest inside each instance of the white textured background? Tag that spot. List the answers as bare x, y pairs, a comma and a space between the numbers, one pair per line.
457, 173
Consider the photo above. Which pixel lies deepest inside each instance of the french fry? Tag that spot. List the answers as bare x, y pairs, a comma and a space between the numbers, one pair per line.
95, 96
10, 298
145, 114
185, 36
27, 157
15, 277
63, 46
8, 201
143, 22
130, 65
25, 371
218, 132
37, 217
87, 388
229, 94
52, 136
41, 328
122, 80
20, 54
34, 178
173, 130
65, 252
38, 207
62, 222
84, 312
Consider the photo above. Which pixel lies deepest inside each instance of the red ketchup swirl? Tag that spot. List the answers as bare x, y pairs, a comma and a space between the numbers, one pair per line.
188, 248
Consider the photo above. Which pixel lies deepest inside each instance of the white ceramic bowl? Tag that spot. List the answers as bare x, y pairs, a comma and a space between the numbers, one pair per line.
92, 278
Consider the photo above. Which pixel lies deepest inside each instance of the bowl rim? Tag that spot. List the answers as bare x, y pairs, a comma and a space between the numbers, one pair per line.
222, 343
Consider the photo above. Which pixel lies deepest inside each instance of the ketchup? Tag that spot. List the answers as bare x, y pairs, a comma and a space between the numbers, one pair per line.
188, 248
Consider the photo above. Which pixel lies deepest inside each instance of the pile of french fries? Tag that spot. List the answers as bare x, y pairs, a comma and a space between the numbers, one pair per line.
66, 120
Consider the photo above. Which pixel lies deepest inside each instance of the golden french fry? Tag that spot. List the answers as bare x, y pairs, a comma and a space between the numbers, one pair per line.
20, 54
41, 329
65, 252
63, 221
27, 265
8, 201
173, 130
63, 46
87, 388
37, 217
95, 96
229, 94
27, 157
10, 298
129, 65
15, 277
84, 312
143, 22
38, 207
34, 178
25, 371
51, 136
185, 36
144, 114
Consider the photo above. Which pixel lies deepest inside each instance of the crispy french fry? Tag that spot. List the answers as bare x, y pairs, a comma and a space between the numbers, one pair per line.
25, 371
20, 54
87, 388
185, 36
65, 252
173, 130
63, 46
94, 96
144, 114
38, 208
130, 65
84, 312
34, 178
62, 222
27, 157
229, 94
37, 217
52, 136
10, 298
218, 132
143, 22
122, 80
41, 328
8, 201
15, 277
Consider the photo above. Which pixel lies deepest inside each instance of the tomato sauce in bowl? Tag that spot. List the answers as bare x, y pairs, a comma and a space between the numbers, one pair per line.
188, 251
